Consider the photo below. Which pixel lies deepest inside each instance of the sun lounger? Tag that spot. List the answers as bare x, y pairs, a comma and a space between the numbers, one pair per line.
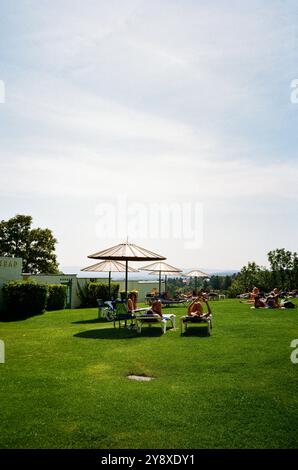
184, 321
167, 302
149, 319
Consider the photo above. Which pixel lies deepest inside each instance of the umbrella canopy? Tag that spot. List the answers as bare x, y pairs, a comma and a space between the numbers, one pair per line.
109, 266
127, 252
161, 267
197, 273
168, 273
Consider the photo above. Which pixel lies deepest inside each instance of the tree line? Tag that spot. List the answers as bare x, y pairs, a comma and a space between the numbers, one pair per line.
36, 246
282, 273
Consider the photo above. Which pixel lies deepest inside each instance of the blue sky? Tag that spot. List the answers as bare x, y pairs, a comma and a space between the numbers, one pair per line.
158, 101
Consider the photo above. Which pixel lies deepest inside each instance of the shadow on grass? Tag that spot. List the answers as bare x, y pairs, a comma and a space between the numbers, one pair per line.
8, 318
196, 331
86, 322
119, 333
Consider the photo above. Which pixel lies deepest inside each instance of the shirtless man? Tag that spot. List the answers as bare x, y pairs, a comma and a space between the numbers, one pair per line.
195, 309
156, 308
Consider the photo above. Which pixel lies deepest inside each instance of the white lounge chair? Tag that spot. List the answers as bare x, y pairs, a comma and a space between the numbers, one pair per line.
195, 319
149, 319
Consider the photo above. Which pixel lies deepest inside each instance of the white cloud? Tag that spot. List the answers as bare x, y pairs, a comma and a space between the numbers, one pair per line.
158, 100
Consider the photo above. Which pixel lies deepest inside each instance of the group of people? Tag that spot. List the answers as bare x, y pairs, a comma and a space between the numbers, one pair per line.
272, 300
195, 309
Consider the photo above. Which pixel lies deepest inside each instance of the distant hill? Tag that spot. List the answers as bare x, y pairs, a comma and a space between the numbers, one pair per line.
142, 275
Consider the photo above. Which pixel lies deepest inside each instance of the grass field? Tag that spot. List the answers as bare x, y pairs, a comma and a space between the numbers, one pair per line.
64, 382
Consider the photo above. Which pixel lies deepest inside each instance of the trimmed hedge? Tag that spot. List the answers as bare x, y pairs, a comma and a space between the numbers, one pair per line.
56, 297
23, 299
91, 291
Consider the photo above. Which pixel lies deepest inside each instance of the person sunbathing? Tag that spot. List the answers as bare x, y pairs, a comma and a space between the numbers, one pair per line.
271, 301
156, 307
132, 302
252, 296
195, 309
259, 302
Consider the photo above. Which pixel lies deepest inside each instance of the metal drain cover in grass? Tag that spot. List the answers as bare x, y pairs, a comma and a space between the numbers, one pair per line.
140, 378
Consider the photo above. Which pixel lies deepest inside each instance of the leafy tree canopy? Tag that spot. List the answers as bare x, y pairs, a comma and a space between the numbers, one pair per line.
36, 246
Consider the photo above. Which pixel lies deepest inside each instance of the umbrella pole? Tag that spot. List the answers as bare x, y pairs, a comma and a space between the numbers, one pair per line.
126, 276
165, 283
159, 282
109, 285
196, 285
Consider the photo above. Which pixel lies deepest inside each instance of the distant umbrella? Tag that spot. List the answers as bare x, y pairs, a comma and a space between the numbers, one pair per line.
161, 268
127, 252
109, 266
197, 273
174, 273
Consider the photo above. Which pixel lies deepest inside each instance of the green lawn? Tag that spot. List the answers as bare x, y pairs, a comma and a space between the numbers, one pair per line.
64, 382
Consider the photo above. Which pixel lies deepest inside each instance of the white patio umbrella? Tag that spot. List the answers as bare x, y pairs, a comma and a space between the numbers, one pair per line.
108, 266
161, 268
175, 273
197, 273
127, 252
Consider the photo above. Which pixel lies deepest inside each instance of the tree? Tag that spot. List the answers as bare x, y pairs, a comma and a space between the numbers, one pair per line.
35, 246
249, 275
215, 282
283, 265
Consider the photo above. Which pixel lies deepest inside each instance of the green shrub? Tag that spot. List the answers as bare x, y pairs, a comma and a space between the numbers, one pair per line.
23, 299
56, 297
91, 291
235, 289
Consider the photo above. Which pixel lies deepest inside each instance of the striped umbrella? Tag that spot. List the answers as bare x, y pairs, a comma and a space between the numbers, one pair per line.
161, 268
109, 266
197, 273
127, 252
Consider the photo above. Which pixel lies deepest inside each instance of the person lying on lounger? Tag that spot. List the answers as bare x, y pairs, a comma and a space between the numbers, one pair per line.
156, 307
195, 309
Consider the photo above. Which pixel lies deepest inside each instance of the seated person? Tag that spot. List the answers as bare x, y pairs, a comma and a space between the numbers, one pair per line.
134, 299
293, 293
156, 307
165, 296
195, 309
252, 296
259, 302
272, 300
131, 303
255, 292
